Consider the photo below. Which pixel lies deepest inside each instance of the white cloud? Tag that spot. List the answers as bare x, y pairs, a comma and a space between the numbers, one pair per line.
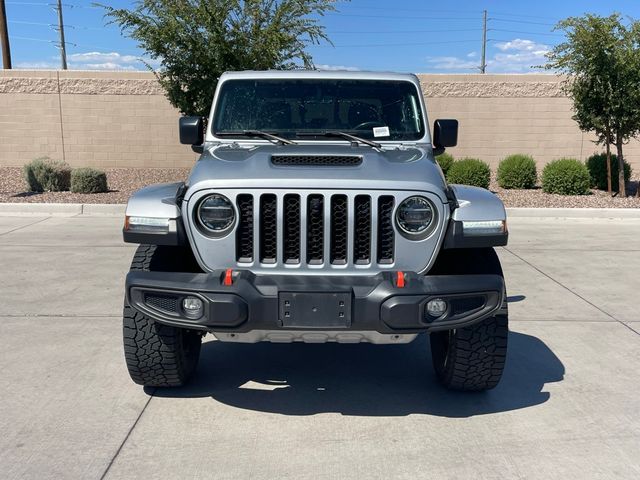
337, 67
110, 61
98, 57
515, 56
522, 46
451, 63
518, 55
101, 66
94, 61
37, 65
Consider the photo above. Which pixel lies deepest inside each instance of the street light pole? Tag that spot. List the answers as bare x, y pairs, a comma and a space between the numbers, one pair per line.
4, 37
63, 44
483, 64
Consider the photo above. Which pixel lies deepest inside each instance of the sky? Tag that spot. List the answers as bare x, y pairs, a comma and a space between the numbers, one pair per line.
420, 36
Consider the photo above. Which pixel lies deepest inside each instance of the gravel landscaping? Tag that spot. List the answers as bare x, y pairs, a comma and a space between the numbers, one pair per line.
124, 181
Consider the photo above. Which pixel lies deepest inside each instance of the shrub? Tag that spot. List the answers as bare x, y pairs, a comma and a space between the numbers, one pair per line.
88, 180
597, 165
470, 171
445, 160
566, 176
46, 175
517, 171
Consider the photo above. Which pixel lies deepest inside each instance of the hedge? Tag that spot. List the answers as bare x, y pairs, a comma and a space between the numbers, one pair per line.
46, 175
566, 176
445, 160
597, 166
88, 180
517, 171
470, 171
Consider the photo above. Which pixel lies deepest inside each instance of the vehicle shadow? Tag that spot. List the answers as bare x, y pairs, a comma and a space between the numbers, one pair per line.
368, 380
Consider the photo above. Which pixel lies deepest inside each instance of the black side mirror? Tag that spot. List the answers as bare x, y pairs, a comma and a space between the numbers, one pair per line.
445, 134
191, 130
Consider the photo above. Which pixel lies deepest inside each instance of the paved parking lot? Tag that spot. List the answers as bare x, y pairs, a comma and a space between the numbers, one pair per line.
567, 407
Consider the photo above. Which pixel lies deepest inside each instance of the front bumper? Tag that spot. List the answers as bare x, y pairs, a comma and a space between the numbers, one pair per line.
279, 303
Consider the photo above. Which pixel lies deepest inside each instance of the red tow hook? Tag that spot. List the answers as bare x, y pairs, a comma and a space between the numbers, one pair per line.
400, 280
227, 281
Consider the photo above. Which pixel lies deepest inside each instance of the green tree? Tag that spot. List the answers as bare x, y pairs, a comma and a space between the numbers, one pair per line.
195, 41
601, 58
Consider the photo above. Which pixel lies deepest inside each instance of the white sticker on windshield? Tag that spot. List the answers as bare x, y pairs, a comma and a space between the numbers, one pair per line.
380, 131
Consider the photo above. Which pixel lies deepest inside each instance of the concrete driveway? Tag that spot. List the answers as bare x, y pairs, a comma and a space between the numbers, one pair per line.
567, 407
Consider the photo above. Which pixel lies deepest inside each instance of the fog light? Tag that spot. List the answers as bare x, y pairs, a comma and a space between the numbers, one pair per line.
436, 307
192, 306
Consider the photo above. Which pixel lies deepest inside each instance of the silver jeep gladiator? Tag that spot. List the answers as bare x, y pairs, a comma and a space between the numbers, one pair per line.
316, 213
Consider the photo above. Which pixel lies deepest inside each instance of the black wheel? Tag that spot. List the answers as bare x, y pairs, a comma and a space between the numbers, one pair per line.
471, 358
159, 355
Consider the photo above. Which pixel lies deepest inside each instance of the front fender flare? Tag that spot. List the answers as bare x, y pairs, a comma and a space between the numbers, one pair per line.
475, 204
157, 201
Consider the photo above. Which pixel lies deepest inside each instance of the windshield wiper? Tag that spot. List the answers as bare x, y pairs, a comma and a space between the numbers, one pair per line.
346, 136
256, 133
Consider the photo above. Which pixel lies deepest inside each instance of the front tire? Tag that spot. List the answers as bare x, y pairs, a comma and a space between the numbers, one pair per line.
158, 355
471, 358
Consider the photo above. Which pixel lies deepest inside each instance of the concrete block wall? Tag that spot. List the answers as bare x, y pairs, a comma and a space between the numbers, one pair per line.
122, 119
101, 119
505, 114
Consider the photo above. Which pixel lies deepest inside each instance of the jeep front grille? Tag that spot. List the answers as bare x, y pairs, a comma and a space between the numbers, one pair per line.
307, 231
317, 229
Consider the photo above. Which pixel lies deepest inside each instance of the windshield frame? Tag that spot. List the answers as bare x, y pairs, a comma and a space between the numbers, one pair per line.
316, 75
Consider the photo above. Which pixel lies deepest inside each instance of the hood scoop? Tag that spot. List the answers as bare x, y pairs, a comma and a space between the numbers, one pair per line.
316, 160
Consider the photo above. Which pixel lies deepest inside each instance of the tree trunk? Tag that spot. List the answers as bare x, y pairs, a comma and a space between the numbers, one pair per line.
608, 166
622, 189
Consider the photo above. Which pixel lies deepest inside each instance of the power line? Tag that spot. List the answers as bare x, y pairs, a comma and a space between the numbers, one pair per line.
21, 22
74, 27
505, 40
42, 4
494, 19
30, 39
29, 4
402, 31
400, 16
395, 44
502, 14
527, 33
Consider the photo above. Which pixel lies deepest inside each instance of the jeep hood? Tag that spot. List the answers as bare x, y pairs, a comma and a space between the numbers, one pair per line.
250, 166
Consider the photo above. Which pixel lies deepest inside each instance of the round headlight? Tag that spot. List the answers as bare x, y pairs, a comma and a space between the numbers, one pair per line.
216, 214
415, 216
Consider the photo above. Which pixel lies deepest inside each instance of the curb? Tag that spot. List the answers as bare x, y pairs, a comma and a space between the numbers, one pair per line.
62, 209
600, 213
117, 210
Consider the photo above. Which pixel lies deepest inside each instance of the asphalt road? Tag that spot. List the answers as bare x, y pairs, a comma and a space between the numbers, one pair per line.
567, 407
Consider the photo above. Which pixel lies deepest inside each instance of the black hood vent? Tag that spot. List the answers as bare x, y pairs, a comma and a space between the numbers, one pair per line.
316, 160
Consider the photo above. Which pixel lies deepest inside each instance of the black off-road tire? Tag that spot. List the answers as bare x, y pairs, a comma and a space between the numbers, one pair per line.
159, 355
471, 358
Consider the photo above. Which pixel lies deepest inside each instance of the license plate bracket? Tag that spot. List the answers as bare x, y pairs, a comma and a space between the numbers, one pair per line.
315, 310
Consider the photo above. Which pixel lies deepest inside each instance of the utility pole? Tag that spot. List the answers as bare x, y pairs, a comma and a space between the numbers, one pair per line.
483, 63
63, 44
4, 37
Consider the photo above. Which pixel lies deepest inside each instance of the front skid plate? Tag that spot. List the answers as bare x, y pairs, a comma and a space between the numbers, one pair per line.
289, 336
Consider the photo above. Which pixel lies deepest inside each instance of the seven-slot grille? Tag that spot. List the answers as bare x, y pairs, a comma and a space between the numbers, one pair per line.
315, 229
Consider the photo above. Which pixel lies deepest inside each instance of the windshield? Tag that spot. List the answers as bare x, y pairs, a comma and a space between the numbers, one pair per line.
371, 109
